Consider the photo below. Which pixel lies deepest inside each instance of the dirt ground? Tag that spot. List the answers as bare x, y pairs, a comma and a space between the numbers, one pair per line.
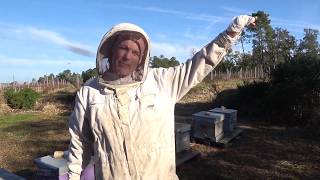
22, 143
26, 135
262, 152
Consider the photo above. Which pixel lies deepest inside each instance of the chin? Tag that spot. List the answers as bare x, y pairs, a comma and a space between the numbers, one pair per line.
121, 75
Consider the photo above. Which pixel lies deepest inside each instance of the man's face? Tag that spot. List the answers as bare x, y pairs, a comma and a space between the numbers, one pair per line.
125, 58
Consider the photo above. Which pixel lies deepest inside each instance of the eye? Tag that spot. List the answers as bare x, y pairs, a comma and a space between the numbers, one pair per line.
136, 53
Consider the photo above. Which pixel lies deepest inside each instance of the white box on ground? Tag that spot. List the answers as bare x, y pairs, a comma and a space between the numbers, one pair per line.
230, 118
49, 167
208, 126
182, 136
6, 175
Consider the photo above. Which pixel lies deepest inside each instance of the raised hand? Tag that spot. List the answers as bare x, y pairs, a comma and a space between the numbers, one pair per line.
239, 23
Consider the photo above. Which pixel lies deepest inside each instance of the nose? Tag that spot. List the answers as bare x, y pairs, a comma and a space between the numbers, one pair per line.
128, 55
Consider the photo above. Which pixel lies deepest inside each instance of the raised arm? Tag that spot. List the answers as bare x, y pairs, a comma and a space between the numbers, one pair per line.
177, 81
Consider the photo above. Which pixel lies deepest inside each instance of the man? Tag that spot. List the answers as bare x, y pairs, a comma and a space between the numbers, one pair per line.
125, 117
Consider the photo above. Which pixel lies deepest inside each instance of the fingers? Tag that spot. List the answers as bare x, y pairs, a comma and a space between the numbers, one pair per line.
248, 20
240, 22
252, 24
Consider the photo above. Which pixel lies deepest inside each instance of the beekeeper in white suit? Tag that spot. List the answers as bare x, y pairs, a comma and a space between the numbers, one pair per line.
124, 118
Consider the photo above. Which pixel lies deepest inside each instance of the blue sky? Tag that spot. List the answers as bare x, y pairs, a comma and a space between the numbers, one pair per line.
40, 37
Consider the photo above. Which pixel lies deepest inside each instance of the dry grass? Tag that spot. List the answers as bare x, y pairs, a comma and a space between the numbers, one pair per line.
26, 135
207, 90
262, 152
4, 108
200, 98
29, 136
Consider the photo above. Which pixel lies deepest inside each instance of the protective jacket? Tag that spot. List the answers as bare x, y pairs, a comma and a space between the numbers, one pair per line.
127, 127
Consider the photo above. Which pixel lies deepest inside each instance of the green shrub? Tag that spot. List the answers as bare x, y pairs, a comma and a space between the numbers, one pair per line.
227, 98
291, 97
295, 93
253, 98
22, 99
249, 98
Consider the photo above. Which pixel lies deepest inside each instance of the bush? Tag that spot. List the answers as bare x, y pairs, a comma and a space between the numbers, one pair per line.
22, 99
291, 97
295, 93
253, 98
249, 99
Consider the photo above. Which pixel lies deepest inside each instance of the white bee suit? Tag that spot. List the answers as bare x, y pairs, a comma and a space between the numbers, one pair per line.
128, 125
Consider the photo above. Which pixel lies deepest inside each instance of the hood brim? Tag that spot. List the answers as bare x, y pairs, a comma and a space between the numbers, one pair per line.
105, 47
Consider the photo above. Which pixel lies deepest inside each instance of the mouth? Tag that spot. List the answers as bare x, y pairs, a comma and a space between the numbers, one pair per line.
123, 64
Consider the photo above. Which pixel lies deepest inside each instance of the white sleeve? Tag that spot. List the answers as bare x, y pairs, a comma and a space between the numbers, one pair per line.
240, 22
80, 148
177, 81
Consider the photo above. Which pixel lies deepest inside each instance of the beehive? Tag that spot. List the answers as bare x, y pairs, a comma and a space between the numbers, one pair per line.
208, 126
230, 118
57, 168
4, 174
182, 135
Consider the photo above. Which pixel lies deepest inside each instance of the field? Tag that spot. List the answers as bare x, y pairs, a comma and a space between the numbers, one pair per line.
26, 135
263, 151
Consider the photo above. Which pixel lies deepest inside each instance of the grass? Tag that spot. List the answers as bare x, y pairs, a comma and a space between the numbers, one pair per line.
25, 135
14, 119
263, 151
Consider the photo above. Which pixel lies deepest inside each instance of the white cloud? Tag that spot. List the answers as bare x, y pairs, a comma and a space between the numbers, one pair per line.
294, 27
161, 35
186, 15
202, 34
48, 35
296, 24
190, 34
22, 31
234, 10
24, 69
60, 40
44, 63
181, 52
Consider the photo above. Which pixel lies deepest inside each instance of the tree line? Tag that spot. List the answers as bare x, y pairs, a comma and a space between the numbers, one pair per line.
269, 47
76, 78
